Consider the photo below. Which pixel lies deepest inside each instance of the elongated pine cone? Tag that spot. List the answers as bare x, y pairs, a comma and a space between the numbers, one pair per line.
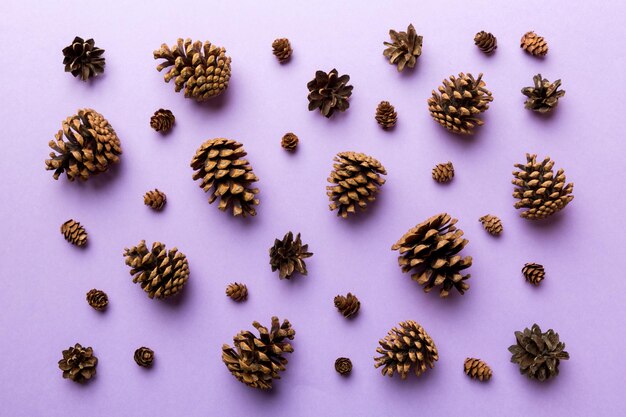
83, 58
74, 233
459, 102
289, 142
281, 48
144, 357
486, 42
287, 256
431, 251
225, 174
86, 145
404, 48
162, 120
343, 366
161, 273
355, 180
538, 354
540, 192
329, 92
257, 361
97, 299
155, 199
534, 273
477, 369
203, 70
237, 291
534, 44
544, 96
78, 363
443, 173
386, 115
492, 224
406, 347
347, 305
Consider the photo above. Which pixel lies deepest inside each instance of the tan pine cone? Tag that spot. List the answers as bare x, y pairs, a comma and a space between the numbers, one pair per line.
78, 363
404, 48
281, 48
486, 42
162, 120
237, 291
289, 142
155, 199
443, 173
144, 357
534, 44
97, 299
534, 273
386, 115
477, 369
544, 96
343, 366
74, 233
347, 305
492, 224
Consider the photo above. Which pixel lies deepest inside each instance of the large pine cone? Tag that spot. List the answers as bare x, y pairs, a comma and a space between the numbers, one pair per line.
329, 92
539, 190
202, 70
538, 354
486, 42
404, 48
459, 102
257, 361
406, 346
78, 363
477, 369
544, 96
386, 115
356, 179
534, 44
431, 250
287, 256
347, 305
161, 273
223, 172
74, 233
83, 58
86, 145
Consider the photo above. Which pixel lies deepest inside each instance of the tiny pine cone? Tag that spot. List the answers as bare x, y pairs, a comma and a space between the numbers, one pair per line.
477, 369
343, 366
492, 224
289, 141
534, 273
281, 48
97, 299
237, 291
443, 173
74, 233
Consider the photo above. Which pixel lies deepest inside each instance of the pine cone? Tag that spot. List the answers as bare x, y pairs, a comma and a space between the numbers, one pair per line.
92, 146
406, 346
287, 255
97, 299
289, 141
83, 59
225, 174
534, 273
162, 120
443, 173
492, 224
404, 48
348, 305
538, 354
257, 361
486, 42
459, 102
78, 363
203, 70
74, 233
356, 179
144, 357
281, 48
477, 369
155, 199
544, 96
386, 115
161, 273
343, 366
534, 44
431, 249
329, 92
539, 190
237, 292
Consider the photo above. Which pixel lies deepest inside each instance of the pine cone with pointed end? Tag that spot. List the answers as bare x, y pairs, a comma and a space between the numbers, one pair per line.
162, 120
78, 363
486, 42
404, 48
538, 354
443, 173
477, 369
386, 115
289, 142
406, 347
203, 70
97, 299
257, 360
287, 256
534, 273
225, 174
86, 145
74, 233
83, 58
347, 305
237, 291
329, 92
544, 96
459, 102
155, 199
355, 180
431, 251
492, 224
343, 366
539, 190
281, 48
144, 357
534, 44
161, 273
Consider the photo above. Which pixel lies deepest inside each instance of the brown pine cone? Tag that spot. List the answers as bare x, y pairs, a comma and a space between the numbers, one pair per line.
386, 115
281, 48
83, 59
343, 366
404, 48
486, 42
534, 44
477, 369
74, 233
443, 173
492, 224
329, 92
534, 273
97, 299
289, 142
287, 256
162, 120
347, 305
144, 357
78, 363
237, 291
538, 354
155, 199
544, 96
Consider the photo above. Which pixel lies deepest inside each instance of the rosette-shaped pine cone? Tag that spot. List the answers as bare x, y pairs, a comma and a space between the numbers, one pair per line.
74, 233
289, 142
203, 70
539, 190
459, 102
220, 166
97, 299
404, 48
281, 48
492, 224
343, 366
544, 96
386, 115
78, 363
287, 256
477, 369
162, 120
431, 251
538, 354
486, 42
86, 145
356, 179
161, 273
534, 273
257, 360
406, 347
443, 173
347, 305
144, 357
155, 199
534, 44
329, 92
83, 58
237, 291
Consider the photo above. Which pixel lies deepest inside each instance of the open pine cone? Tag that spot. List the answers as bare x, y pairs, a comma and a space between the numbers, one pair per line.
404, 48
83, 58
78, 363
329, 92
544, 96
534, 44
287, 256
538, 354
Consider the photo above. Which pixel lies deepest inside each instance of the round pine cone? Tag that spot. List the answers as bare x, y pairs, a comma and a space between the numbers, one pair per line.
237, 291
78, 363
347, 305
162, 120
289, 141
281, 48
74, 233
538, 354
97, 299
534, 273
287, 256
477, 369
534, 44
544, 96
343, 366
492, 224
443, 173
386, 115
83, 58
155, 199
144, 357
486, 42
329, 92
92, 146
404, 48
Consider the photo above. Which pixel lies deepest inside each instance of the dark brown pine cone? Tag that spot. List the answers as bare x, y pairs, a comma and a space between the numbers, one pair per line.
492, 224
83, 59
74, 233
289, 141
538, 354
281, 48
97, 299
486, 42
287, 256
237, 291
78, 363
477, 369
534, 273
144, 357
329, 92
386, 115
155, 199
534, 44
343, 366
544, 96
162, 120
404, 48
347, 305
443, 173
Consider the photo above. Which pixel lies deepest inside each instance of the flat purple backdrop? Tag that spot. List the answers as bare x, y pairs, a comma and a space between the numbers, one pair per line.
44, 279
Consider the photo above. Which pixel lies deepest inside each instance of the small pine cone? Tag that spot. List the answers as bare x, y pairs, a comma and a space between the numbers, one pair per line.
443, 173
287, 256
162, 120
538, 354
78, 363
492, 224
534, 273
329, 92
289, 142
534, 44
281, 48
404, 48
386, 115
155, 199
237, 291
83, 59
477, 369
544, 96
347, 305
343, 366
486, 42
97, 299
144, 357
74, 233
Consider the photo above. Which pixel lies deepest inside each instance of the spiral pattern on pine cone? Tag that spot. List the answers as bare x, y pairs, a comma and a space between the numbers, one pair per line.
404, 48
534, 273
97, 299
289, 141
83, 58
486, 42
281, 48
329, 92
492, 224
544, 96
386, 115
343, 366
162, 120
78, 363
144, 357
443, 173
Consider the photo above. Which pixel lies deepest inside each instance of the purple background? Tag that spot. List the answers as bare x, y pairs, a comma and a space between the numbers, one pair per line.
44, 279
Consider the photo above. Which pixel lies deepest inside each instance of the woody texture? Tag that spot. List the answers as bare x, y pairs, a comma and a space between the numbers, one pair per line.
404, 48
538, 354
329, 92
78, 363
347, 305
74, 233
287, 256
343, 366
83, 59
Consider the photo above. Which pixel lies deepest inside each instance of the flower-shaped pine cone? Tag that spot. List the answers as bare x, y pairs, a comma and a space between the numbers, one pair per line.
162, 120
83, 58
404, 48
343, 366
144, 357
538, 354
78, 363
534, 44
155, 199
329, 92
544, 96
287, 256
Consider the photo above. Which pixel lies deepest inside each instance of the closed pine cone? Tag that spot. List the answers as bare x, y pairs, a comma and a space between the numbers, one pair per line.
83, 58
97, 299
281, 48
203, 70
538, 354
486, 42
347, 305
534, 44
155, 199
257, 360
356, 179
404, 48
74, 233
144, 357
287, 256
162, 120
406, 347
289, 141
386, 115
329, 92
544, 96
78, 363
539, 190
86, 145
343, 366
237, 291
492, 224
443, 173
477, 369
161, 273
534, 273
